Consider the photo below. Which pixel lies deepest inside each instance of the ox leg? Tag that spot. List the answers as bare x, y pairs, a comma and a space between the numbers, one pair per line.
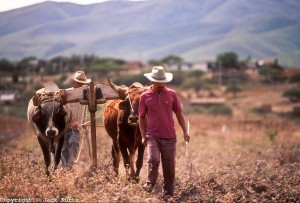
139, 161
115, 152
131, 165
126, 160
57, 155
45, 153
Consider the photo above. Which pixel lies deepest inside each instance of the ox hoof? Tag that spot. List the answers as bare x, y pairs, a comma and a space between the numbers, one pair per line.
134, 179
54, 167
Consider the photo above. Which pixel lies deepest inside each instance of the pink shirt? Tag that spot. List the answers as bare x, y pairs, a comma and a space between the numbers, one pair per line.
159, 108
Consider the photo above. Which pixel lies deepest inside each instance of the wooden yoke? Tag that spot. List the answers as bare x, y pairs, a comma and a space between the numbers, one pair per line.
102, 93
90, 95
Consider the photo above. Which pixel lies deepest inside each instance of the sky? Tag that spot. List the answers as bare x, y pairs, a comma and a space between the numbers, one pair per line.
6, 5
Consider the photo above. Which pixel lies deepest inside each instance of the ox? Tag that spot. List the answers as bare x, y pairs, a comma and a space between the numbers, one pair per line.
49, 120
120, 119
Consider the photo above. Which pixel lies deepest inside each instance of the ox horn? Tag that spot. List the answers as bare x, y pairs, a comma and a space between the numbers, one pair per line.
122, 90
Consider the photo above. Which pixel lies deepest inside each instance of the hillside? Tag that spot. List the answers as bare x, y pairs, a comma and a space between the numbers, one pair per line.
196, 30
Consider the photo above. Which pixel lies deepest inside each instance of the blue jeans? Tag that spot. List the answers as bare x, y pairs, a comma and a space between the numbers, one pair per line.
166, 149
70, 148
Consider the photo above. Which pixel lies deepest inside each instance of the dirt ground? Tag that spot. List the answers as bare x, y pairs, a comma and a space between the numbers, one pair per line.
229, 159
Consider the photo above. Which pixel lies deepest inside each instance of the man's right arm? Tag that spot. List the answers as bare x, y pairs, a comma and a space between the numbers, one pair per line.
142, 126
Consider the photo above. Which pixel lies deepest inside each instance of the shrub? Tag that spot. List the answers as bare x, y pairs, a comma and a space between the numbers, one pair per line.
271, 133
220, 110
260, 111
234, 89
293, 94
198, 109
296, 111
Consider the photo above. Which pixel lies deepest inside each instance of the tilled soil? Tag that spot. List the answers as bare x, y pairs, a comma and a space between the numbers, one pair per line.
236, 165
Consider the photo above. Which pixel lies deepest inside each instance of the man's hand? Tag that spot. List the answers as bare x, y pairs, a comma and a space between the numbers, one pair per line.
74, 124
144, 141
186, 137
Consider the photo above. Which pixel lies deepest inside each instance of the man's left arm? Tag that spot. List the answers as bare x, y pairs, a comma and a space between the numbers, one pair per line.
84, 119
181, 122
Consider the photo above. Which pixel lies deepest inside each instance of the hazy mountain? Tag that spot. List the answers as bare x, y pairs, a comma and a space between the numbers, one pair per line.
194, 29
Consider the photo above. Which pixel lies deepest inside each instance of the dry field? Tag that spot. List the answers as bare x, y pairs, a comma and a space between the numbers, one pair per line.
229, 159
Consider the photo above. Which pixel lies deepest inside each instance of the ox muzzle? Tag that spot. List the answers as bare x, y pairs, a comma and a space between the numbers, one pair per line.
133, 120
51, 133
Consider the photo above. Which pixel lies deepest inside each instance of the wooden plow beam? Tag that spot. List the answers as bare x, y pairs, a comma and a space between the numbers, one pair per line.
90, 95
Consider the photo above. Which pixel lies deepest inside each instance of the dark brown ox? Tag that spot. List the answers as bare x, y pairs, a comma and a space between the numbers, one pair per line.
121, 123
49, 120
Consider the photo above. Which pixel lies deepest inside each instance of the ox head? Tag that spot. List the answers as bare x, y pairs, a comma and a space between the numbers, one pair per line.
129, 105
49, 116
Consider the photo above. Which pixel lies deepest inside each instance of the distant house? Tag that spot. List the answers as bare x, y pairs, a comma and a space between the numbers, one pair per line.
8, 96
203, 66
210, 101
134, 66
34, 62
266, 62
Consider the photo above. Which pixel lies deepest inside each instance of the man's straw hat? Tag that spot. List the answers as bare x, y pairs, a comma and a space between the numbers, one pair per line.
81, 78
158, 74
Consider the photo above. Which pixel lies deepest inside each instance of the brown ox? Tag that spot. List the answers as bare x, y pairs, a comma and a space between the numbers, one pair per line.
121, 123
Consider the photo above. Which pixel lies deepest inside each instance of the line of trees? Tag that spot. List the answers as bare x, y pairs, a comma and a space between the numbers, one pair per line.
95, 64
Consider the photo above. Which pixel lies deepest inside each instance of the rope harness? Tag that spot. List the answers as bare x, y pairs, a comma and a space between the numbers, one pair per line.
131, 108
86, 133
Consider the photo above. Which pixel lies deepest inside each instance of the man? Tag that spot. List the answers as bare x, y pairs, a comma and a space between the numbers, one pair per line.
70, 150
157, 128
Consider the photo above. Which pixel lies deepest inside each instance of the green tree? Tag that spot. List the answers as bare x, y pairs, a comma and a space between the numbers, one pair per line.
243, 63
234, 88
197, 84
271, 73
153, 62
23, 68
228, 60
7, 69
104, 65
58, 64
168, 60
295, 79
5, 65
171, 59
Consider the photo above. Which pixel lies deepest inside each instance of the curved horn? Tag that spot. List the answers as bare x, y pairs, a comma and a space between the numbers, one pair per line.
122, 90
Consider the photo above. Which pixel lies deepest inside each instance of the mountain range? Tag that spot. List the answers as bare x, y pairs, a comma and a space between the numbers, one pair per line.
196, 30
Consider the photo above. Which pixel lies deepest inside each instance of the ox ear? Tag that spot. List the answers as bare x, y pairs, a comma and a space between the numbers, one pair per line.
122, 105
37, 115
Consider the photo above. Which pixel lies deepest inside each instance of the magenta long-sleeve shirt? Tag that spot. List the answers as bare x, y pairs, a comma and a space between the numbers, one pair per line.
158, 109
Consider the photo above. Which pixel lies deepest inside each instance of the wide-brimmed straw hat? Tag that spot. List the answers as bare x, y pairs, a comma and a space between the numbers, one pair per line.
81, 78
158, 74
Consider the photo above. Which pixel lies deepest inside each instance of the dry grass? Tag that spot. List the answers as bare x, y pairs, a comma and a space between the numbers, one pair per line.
228, 161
